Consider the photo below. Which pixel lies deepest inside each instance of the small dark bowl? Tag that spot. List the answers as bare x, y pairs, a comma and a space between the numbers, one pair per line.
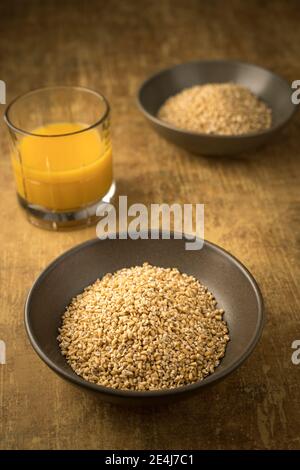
234, 287
268, 86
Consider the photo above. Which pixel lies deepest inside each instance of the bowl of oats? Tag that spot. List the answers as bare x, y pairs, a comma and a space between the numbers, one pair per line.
216, 107
144, 321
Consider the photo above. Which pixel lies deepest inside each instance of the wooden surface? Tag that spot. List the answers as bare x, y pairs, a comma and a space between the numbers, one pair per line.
252, 210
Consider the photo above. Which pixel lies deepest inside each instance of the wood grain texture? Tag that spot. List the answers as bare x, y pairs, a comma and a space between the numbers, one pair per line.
252, 210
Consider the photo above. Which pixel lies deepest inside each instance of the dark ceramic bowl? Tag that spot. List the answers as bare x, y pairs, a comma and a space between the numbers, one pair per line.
272, 89
234, 287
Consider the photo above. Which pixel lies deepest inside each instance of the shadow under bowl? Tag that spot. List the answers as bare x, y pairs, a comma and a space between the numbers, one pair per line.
232, 284
269, 87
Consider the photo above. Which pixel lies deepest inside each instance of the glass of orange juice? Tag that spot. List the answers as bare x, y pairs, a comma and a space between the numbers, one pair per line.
61, 155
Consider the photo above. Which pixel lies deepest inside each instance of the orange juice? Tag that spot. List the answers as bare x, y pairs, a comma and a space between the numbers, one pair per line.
59, 168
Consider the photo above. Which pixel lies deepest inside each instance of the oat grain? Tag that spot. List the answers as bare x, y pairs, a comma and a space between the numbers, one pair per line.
144, 328
217, 108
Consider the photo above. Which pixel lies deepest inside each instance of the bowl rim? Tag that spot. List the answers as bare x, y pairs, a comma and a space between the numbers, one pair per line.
220, 137
214, 377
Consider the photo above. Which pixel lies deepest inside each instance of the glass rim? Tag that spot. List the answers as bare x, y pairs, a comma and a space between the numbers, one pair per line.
56, 87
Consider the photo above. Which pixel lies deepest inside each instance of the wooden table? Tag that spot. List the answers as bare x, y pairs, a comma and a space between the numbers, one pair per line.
252, 210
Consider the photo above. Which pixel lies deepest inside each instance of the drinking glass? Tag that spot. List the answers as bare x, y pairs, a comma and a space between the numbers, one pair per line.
61, 155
